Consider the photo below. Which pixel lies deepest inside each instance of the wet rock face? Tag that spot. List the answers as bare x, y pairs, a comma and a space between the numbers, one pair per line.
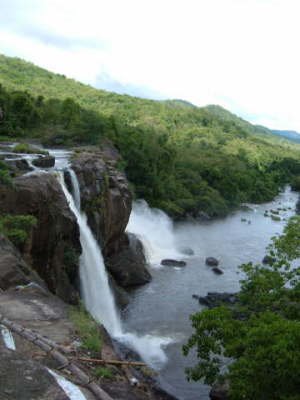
105, 197
54, 245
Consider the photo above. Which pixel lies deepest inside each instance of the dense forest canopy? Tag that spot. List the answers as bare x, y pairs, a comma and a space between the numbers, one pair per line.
181, 158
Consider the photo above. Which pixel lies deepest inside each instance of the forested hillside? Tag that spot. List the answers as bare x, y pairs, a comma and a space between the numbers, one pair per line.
179, 157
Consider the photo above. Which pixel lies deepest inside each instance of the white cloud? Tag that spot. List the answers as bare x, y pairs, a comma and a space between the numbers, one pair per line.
242, 54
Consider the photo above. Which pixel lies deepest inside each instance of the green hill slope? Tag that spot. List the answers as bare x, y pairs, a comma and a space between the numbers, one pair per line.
180, 157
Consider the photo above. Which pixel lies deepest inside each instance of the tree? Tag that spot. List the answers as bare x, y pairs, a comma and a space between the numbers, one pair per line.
258, 338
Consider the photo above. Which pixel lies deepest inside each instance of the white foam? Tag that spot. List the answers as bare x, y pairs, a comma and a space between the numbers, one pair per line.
8, 338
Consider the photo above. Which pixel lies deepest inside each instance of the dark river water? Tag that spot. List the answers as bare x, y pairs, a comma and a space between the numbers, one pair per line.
162, 307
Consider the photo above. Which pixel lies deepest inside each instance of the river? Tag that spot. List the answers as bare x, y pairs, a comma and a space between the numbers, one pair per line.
162, 307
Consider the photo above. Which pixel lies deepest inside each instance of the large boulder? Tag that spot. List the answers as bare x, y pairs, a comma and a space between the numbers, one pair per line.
128, 266
44, 162
53, 247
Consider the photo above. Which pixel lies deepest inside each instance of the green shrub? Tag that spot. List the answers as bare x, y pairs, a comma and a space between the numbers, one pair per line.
27, 149
87, 329
5, 177
17, 227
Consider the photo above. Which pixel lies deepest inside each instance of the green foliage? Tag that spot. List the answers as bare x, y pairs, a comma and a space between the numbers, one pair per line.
179, 157
103, 372
87, 329
5, 178
295, 184
259, 336
17, 227
27, 149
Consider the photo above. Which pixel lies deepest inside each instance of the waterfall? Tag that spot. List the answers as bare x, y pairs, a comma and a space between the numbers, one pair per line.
75, 189
155, 230
95, 290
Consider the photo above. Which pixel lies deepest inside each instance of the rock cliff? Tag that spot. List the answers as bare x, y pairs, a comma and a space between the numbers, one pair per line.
53, 247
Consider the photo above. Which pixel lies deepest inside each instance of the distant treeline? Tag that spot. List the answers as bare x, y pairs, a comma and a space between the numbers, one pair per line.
211, 164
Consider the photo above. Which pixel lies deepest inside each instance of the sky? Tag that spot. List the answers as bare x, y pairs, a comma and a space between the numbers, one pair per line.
241, 54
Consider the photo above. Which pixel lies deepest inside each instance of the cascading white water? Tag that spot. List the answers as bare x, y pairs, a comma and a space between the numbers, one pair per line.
76, 189
96, 292
93, 277
155, 229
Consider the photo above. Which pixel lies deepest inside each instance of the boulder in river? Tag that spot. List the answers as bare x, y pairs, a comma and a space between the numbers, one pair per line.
212, 261
173, 263
214, 299
217, 271
44, 162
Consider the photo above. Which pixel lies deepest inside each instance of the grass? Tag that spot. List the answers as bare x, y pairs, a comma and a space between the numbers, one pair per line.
103, 372
26, 148
87, 329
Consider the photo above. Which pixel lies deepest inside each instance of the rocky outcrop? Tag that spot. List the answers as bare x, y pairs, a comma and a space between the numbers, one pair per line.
105, 197
173, 263
13, 269
128, 265
44, 162
211, 261
53, 247
215, 299
107, 200
19, 166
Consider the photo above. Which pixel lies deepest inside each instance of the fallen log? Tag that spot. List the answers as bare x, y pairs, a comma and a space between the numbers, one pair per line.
112, 362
